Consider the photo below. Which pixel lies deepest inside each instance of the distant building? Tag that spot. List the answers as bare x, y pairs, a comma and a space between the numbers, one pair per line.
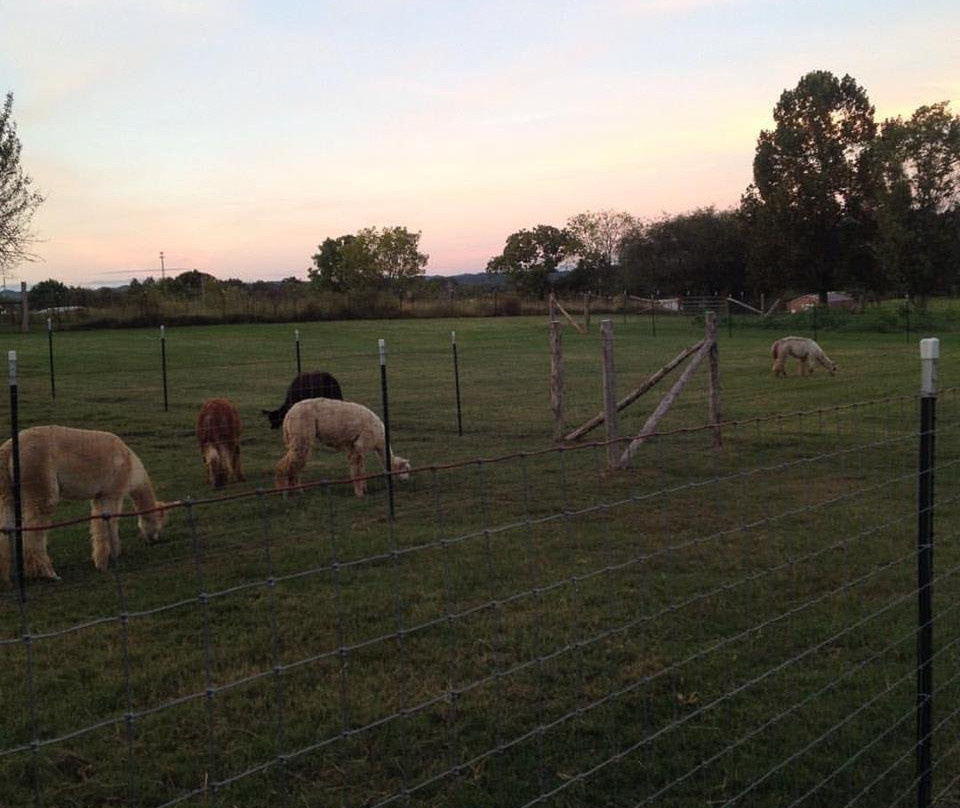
836, 300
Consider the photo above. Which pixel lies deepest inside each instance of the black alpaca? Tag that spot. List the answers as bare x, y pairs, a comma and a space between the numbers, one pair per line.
313, 384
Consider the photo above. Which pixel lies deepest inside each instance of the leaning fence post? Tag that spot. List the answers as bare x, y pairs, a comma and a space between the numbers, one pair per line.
609, 394
386, 423
296, 338
929, 355
17, 538
456, 381
556, 378
53, 383
163, 364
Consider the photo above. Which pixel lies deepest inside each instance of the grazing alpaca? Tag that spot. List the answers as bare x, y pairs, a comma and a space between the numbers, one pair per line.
218, 432
344, 425
314, 384
803, 349
57, 462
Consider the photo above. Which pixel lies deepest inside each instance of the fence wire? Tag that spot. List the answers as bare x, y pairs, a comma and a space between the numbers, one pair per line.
732, 627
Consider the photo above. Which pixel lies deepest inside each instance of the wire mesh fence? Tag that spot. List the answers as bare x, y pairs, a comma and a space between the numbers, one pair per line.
529, 630
730, 627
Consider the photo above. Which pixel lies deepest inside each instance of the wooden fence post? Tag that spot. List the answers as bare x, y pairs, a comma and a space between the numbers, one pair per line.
609, 394
586, 311
24, 308
714, 362
556, 378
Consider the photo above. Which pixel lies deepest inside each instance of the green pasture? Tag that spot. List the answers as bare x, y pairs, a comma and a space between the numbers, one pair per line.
722, 626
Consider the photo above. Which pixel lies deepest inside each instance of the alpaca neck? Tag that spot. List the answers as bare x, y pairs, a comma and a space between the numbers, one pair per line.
142, 493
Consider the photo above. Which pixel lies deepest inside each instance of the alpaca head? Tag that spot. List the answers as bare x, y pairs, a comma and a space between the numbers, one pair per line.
151, 523
401, 466
275, 417
216, 469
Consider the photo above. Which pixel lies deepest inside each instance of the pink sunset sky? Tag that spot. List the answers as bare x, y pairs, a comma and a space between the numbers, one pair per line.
235, 136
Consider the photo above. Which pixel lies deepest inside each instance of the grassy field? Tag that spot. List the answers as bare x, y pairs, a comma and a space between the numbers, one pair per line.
728, 626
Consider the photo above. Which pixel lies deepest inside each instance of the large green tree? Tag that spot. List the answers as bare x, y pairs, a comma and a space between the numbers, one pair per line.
599, 237
341, 264
531, 257
701, 253
397, 260
18, 199
917, 163
48, 294
809, 207
387, 257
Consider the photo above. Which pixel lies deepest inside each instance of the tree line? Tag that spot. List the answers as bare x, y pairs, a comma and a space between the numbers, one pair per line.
837, 201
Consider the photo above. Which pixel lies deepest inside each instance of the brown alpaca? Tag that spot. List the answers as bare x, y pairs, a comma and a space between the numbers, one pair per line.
344, 425
58, 462
218, 433
805, 350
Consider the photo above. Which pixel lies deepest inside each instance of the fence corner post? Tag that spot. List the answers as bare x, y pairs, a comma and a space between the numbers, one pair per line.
556, 379
929, 357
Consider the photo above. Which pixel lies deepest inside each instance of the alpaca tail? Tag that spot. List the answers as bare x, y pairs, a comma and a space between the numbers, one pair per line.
775, 349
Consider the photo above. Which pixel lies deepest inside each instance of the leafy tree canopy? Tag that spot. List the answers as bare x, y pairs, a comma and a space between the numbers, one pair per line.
698, 253
373, 257
48, 294
810, 193
599, 237
917, 175
531, 257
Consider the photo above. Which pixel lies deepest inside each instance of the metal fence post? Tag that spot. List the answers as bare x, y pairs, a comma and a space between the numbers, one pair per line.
163, 363
296, 338
16, 540
386, 424
53, 383
929, 356
456, 381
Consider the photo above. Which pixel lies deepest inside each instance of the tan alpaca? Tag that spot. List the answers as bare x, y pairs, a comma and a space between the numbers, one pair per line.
218, 433
805, 350
58, 462
344, 425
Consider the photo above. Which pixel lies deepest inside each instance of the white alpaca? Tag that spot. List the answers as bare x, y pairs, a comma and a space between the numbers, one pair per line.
344, 425
803, 349
58, 462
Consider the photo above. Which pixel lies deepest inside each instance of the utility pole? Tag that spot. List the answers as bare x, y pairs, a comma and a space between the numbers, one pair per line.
162, 270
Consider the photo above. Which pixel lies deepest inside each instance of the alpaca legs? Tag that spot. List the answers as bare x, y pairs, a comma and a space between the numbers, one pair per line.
355, 459
105, 530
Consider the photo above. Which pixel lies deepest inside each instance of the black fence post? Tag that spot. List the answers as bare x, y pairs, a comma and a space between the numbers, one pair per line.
456, 381
929, 356
296, 337
163, 363
16, 540
386, 424
53, 383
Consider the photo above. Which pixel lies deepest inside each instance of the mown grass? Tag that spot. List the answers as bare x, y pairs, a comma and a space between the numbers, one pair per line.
731, 626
